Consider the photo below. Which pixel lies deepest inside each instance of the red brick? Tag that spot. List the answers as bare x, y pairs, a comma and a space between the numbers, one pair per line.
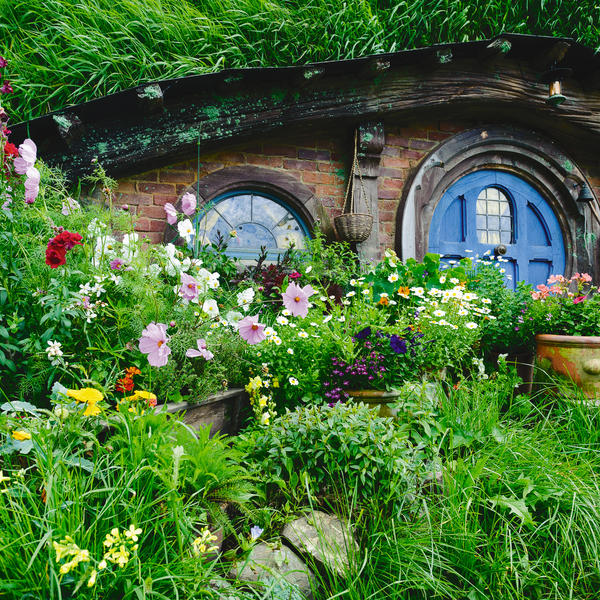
387, 194
413, 154
386, 215
145, 224
316, 177
155, 188
438, 136
421, 144
413, 132
392, 184
148, 176
396, 163
308, 154
302, 165
161, 200
260, 160
328, 190
394, 173
388, 205
153, 212
274, 150
126, 185
177, 176
141, 199
212, 167
230, 157
391, 151
326, 167
393, 139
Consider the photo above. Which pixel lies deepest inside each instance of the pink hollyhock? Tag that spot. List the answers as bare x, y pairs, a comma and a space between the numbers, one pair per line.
188, 204
171, 213
295, 299
26, 158
189, 287
202, 351
251, 330
154, 343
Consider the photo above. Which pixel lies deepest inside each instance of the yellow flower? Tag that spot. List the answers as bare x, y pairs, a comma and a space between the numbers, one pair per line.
255, 383
91, 410
21, 436
133, 533
92, 580
262, 401
89, 395
3, 477
275, 382
143, 394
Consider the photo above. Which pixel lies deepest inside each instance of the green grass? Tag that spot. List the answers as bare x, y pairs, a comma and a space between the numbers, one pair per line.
64, 52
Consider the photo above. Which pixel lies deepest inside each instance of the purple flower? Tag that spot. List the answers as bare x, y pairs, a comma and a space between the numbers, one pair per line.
189, 287
116, 264
255, 532
363, 334
188, 204
171, 213
398, 344
202, 351
154, 343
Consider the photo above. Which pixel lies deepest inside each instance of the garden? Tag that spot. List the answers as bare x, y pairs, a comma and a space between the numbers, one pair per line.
389, 448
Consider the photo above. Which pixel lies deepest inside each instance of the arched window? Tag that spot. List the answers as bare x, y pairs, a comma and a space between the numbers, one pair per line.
494, 217
249, 220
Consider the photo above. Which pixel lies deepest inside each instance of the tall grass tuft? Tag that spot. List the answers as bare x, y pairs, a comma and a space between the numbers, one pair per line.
64, 52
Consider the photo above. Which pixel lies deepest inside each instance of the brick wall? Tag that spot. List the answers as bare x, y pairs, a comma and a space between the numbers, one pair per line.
318, 164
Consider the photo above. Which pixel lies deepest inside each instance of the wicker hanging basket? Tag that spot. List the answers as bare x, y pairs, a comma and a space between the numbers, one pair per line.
352, 226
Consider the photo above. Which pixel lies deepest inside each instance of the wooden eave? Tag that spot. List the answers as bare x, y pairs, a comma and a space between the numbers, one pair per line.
161, 122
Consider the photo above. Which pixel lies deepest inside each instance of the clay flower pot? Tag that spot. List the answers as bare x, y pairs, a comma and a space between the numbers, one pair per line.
574, 356
380, 398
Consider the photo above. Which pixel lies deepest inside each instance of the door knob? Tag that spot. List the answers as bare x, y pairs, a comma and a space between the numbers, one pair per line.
500, 250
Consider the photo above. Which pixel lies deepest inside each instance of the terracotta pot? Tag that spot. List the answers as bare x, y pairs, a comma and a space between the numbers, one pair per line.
574, 356
377, 398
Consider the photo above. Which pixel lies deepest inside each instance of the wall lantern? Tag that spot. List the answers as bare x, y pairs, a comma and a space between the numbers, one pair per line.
554, 78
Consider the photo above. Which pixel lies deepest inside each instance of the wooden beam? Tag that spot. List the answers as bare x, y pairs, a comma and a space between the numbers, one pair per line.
150, 98
498, 48
69, 127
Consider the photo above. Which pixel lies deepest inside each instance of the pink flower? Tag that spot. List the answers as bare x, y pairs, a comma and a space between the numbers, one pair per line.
202, 350
296, 298
583, 277
189, 287
154, 343
171, 213
26, 158
579, 299
116, 264
556, 279
188, 204
251, 330
294, 275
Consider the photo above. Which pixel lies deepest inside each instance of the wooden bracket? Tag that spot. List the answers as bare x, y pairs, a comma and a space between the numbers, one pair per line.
150, 98
69, 127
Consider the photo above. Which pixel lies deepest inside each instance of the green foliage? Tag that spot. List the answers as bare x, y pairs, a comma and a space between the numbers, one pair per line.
104, 46
323, 449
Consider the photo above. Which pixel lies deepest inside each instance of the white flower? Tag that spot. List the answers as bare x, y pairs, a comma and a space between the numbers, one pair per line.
290, 351
443, 322
293, 381
308, 269
323, 298
327, 318
346, 302
130, 251
353, 282
286, 313
471, 325
443, 279
276, 340
439, 313
350, 294
245, 298
417, 291
486, 300
210, 307
366, 292
186, 230
116, 279
282, 320
393, 277
341, 319
269, 332
96, 227
54, 349
454, 280
302, 334
233, 317
462, 312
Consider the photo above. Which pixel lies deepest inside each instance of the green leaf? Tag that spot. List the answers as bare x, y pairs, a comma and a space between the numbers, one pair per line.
516, 506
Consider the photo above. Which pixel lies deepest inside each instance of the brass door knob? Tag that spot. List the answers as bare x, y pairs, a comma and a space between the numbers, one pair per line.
500, 250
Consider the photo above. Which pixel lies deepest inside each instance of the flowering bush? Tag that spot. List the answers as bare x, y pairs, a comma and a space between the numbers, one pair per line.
567, 306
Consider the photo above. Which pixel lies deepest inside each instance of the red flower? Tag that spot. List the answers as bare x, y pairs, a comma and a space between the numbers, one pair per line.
55, 256
10, 150
125, 384
66, 239
578, 299
294, 275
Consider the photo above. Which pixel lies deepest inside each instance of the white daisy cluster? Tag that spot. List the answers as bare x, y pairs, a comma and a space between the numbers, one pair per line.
54, 352
83, 299
453, 308
175, 263
245, 298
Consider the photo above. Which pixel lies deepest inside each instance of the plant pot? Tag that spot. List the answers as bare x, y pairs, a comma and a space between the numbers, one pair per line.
574, 356
377, 398
221, 411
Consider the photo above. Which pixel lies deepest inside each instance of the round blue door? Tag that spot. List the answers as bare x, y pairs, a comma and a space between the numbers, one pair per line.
490, 212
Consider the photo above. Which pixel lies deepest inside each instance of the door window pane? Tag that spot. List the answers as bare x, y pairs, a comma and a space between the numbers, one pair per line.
494, 220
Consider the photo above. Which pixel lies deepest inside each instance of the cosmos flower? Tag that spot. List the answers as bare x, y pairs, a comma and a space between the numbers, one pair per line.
171, 213
202, 351
188, 204
154, 343
296, 298
251, 330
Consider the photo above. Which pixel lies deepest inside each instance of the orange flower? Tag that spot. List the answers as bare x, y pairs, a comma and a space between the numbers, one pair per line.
403, 291
383, 301
131, 371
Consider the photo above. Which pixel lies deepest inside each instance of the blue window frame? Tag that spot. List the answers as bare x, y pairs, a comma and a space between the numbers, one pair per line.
248, 220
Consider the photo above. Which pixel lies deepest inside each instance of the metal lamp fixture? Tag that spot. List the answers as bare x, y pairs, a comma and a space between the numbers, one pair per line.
554, 78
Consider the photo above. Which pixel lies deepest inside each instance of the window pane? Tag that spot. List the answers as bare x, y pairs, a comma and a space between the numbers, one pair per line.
494, 217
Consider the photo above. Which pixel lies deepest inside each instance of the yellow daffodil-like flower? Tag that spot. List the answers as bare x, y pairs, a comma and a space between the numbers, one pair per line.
262, 401
87, 395
20, 435
67, 547
202, 544
92, 410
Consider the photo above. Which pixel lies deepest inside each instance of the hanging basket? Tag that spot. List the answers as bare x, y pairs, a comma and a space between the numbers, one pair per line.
354, 227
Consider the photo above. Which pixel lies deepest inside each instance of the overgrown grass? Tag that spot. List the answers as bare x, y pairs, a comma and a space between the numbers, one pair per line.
66, 51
